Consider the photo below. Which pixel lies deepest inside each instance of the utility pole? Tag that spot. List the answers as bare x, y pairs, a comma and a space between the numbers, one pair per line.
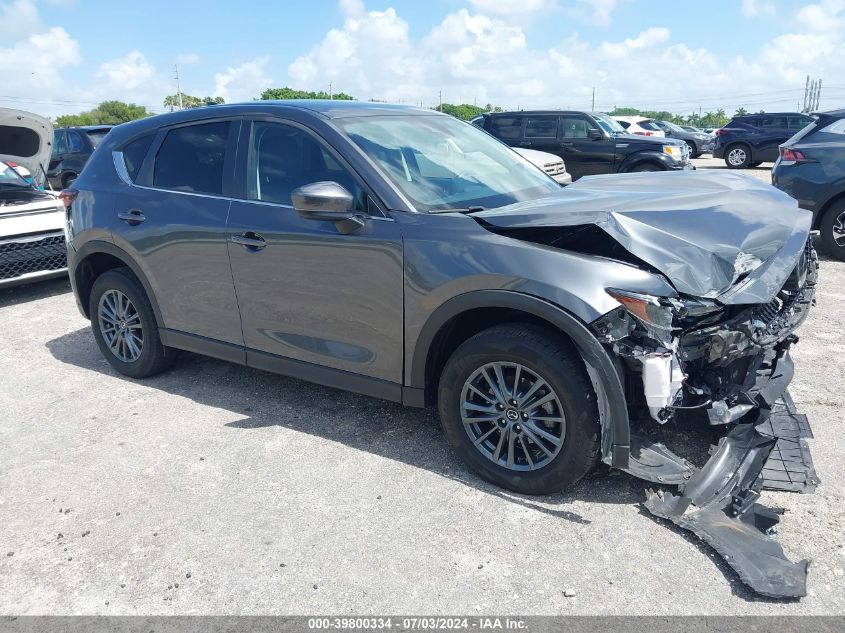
818, 94
440, 98
330, 91
178, 86
593, 107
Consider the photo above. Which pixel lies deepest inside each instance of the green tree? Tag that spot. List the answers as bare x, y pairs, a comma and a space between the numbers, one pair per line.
740, 112
463, 111
188, 101
290, 93
107, 113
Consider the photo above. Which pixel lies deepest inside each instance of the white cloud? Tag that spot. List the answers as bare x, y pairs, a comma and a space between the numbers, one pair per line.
127, 72
512, 7
244, 82
601, 10
352, 8
754, 8
185, 59
489, 59
18, 19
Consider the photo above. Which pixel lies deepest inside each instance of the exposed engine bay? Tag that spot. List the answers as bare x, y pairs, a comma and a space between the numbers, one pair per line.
729, 367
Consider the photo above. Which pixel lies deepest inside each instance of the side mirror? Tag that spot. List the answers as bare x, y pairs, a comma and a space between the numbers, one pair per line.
595, 134
327, 201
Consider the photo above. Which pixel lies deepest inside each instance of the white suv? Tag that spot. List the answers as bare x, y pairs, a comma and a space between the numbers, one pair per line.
640, 125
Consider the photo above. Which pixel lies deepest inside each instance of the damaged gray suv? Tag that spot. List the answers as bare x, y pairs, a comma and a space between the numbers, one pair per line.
403, 254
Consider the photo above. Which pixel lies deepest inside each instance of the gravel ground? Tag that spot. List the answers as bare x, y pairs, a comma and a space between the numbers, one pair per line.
218, 489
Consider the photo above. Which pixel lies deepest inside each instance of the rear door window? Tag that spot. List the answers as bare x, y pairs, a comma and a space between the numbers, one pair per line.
191, 158
74, 142
507, 128
798, 122
545, 127
772, 122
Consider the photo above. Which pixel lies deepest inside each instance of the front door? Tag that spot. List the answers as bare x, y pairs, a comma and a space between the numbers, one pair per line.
585, 156
306, 290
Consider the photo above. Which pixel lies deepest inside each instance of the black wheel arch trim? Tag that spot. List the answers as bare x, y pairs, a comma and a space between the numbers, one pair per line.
95, 247
647, 156
601, 368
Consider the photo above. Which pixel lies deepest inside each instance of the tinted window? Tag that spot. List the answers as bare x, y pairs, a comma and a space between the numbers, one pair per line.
574, 127
649, 125
772, 122
624, 124
134, 154
191, 158
95, 136
59, 145
799, 122
541, 128
506, 127
74, 141
283, 157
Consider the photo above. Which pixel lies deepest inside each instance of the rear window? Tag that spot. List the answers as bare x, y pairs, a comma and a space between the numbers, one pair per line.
506, 127
96, 136
134, 154
541, 128
191, 158
650, 125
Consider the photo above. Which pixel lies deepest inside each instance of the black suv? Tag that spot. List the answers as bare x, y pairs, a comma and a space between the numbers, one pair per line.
72, 147
404, 254
748, 141
588, 142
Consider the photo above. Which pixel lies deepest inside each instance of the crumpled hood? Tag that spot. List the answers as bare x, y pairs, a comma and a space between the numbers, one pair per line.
713, 234
26, 139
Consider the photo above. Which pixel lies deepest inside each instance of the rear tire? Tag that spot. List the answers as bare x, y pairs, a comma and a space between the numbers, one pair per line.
738, 156
125, 327
832, 229
543, 448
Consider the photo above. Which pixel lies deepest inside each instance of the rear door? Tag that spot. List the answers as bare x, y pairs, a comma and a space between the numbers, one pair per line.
173, 222
540, 133
308, 292
583, 155
773, 130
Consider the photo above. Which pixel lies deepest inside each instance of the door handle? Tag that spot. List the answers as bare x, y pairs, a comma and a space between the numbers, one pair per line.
249, 240
133, 217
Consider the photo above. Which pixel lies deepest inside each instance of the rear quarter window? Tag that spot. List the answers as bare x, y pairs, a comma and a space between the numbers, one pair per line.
134, 154
191, 158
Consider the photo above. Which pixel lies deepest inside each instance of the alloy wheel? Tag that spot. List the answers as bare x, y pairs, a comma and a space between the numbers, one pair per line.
513, 416
736, 156
120, 325
839, 230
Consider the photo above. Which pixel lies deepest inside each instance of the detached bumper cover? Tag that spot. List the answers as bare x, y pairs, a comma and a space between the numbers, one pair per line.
719, 502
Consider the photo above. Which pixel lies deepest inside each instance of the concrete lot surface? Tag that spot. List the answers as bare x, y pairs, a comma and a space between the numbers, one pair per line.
218, 489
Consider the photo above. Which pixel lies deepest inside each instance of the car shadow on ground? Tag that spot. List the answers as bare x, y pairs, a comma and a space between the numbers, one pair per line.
411, 436
34, 291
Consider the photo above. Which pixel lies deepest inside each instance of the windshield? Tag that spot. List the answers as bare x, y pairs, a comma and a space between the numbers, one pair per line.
609, 125
441, 164
672, 126
10, 178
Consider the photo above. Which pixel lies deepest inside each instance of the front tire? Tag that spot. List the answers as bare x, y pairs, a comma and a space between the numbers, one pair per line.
738, 156
517, 405
125, 327
646, 167
832, 229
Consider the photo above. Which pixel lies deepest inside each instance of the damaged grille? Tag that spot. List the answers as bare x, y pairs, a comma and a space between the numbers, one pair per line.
24, 255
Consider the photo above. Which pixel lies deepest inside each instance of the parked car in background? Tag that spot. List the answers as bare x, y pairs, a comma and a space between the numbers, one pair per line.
400, 253
640, 125
698, 142
72, 147
549, 163
749, 140
32, 238
811, 168
589, 143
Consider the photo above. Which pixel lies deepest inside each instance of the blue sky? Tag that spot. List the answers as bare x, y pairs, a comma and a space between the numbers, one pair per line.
61, 56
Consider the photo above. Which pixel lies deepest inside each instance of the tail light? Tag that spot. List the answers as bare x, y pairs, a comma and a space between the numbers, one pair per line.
721, 132
67, 196
644, 133
788, 155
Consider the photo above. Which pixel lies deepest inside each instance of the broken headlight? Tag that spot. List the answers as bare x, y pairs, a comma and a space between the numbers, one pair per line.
654, 313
